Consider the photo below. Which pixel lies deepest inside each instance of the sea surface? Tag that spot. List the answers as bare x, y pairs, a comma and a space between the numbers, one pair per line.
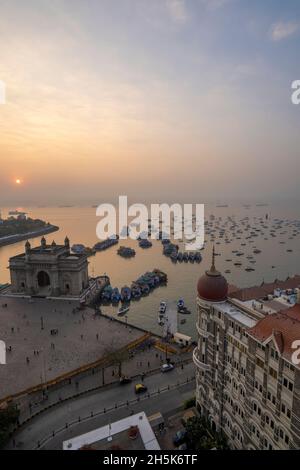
273, 230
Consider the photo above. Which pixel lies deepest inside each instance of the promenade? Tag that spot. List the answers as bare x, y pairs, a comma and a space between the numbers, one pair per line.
48, 338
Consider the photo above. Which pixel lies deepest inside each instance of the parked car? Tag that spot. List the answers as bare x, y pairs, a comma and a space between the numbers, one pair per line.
140, 388
167, 367
183, 446
179, 437
125, 380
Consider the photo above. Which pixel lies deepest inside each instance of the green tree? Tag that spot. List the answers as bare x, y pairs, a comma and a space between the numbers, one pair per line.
8, 417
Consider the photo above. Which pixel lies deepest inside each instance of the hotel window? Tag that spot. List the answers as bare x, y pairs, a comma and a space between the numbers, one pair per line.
273, 373
259, 363
287, 384
274, 354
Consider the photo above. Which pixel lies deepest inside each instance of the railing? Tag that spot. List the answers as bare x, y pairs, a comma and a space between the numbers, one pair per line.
116, 406
201, 331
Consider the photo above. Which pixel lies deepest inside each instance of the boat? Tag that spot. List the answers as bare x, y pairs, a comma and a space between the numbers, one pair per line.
136, 291
145, 243
180, 303
185, 256
125, 294
198, 257
145, 289
160, 320
192, 256
184, 311
106, 293
123, 310
163, 278
100, 246
78, 248
179, 256
126, 252
162, 307
115, 295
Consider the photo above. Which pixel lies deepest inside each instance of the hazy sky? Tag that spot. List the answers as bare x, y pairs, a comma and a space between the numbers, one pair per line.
156, 99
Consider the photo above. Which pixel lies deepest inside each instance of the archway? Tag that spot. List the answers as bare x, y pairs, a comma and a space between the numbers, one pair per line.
43, 279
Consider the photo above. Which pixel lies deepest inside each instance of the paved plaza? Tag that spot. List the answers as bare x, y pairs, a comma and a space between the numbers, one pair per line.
47, 338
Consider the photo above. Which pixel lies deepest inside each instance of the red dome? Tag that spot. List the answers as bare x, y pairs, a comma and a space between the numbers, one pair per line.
212, 286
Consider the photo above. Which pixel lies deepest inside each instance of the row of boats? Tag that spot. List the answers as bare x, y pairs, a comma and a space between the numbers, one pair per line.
142, 286
103, 245
172, 251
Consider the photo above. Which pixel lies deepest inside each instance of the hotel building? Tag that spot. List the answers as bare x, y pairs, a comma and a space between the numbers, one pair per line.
248, 385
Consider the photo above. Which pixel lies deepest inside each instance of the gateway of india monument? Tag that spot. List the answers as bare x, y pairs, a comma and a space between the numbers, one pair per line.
49, 270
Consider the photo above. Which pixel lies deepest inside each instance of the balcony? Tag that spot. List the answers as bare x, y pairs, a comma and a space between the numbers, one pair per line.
200, 330
197, 362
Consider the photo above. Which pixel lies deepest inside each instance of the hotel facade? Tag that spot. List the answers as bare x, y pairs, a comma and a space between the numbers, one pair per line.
247, 385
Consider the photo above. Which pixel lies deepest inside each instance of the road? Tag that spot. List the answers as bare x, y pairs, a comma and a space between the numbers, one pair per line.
78, 411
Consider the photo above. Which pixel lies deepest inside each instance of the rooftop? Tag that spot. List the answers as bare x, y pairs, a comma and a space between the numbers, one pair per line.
258, 292
283, 327
116, 435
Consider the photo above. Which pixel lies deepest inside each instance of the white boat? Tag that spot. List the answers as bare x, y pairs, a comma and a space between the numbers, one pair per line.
123, 310
162, 307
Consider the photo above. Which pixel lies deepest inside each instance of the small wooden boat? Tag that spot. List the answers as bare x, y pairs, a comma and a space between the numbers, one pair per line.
123, 310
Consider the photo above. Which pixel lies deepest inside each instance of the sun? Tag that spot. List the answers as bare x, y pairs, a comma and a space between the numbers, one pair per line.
18, 181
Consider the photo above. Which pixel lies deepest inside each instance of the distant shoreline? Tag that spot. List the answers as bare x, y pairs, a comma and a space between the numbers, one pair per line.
11, 239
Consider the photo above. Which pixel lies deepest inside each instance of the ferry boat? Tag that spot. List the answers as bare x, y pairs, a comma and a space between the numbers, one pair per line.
115, 295
125, 294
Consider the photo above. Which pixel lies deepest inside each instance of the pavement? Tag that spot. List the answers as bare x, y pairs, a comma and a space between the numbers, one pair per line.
84, 413
47, 338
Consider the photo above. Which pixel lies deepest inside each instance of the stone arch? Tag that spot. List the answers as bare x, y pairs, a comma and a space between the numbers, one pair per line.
67, 283
212, 422
43, 279
238, 433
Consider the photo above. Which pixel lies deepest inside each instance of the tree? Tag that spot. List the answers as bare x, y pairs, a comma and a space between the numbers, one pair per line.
8, 417
116, 357
202, 437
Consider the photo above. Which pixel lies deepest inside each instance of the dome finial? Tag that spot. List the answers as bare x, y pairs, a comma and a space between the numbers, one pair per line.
213, 267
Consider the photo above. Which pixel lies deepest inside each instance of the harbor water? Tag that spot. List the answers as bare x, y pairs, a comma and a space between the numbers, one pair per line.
236, 231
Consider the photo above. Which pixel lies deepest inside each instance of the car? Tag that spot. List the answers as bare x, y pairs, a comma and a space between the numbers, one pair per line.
183, 446
179, 437
125, 380
167, 367
140, 388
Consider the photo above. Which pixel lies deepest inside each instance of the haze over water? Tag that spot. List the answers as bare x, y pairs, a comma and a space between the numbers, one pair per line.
79, 223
